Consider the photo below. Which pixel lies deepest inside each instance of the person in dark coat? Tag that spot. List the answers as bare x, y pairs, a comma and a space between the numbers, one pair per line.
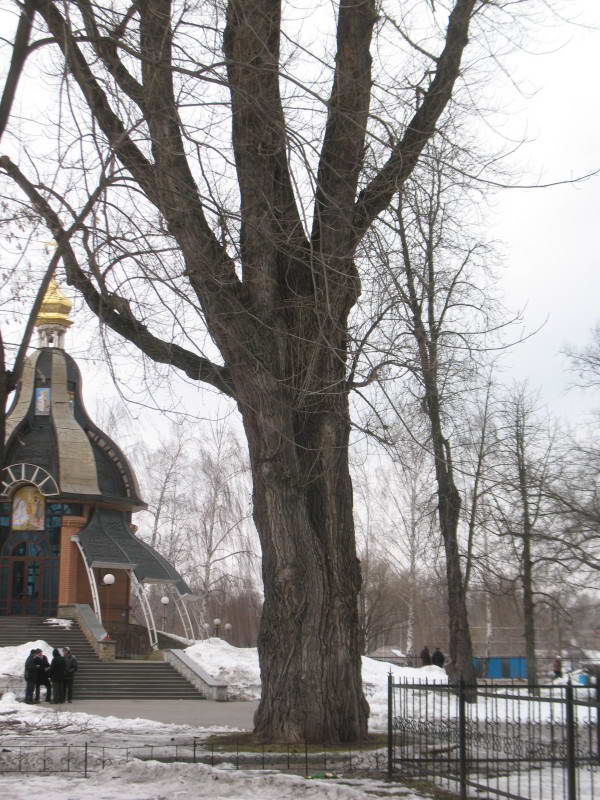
425, 657
30, 676
58, 670
437, 657
557, 667
70, 670
42, 676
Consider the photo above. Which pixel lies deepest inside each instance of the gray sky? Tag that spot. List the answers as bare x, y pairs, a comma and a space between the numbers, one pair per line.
551, 235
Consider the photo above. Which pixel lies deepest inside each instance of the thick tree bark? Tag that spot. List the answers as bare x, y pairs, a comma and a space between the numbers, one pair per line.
309, 642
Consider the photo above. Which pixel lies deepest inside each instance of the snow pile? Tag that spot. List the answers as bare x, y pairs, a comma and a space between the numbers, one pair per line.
235, 666
12, 659
375, 685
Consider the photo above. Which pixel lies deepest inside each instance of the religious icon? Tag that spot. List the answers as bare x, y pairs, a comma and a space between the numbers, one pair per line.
28, 509
42, 402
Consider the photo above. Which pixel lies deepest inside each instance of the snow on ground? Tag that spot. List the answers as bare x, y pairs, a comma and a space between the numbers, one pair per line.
41, 722
59, 623
152, 780
12, 659
238, 668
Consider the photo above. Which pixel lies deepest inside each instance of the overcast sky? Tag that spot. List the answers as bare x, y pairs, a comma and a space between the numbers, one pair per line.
551, 235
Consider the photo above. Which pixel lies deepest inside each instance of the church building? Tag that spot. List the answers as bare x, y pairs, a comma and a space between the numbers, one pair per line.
67, 496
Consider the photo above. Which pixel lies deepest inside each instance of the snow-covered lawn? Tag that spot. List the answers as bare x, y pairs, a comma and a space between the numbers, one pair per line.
152, 780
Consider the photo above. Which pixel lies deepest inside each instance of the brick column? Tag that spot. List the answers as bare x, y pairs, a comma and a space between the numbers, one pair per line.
69, 561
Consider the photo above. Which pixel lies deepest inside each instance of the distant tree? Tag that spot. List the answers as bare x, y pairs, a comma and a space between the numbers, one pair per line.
524, 468
199, 516
439, 314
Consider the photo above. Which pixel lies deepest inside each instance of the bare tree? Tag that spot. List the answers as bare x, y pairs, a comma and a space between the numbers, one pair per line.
199, 513
226, 247
438, 317
526, 450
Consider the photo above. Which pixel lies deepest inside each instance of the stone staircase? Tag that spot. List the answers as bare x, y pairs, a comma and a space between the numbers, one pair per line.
95, 679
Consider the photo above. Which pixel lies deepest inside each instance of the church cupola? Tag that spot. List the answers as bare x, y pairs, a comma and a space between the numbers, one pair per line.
53, 320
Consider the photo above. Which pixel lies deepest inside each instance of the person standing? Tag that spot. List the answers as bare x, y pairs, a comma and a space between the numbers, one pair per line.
30, 676
57, 676
425, 657
42, 676
557, 667
70, 670
437, 657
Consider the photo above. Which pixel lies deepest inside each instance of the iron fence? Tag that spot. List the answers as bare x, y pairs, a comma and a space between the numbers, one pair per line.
499, 740
85, 759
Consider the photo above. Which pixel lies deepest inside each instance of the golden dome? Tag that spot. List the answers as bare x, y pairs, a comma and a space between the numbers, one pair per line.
55, 308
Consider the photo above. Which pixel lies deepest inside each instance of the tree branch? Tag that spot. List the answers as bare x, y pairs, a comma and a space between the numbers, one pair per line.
17, 61
378, 193
109, 307
343, 145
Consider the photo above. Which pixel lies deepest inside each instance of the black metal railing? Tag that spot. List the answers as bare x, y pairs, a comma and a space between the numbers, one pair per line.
18, 756
510, 741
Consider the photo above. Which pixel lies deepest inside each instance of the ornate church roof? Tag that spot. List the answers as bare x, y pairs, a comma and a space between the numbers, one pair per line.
48, 427
107, 542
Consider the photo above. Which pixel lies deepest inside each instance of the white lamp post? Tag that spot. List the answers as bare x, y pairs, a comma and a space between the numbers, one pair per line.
216, 623
165, 602
227, 627
108, 580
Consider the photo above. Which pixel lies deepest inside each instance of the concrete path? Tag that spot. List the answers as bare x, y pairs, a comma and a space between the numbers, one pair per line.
203, 713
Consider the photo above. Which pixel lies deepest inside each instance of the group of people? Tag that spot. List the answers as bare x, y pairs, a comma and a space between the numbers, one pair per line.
55, 676
436, 658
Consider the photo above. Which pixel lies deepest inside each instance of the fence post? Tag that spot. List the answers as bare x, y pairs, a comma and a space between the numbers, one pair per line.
462, 739
571, 769
85, 760
390, 749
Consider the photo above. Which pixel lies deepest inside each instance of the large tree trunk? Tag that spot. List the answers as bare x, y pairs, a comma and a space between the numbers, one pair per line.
309, 643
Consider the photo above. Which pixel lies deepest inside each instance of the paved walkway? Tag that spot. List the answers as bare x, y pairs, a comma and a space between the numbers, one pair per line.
203, 713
